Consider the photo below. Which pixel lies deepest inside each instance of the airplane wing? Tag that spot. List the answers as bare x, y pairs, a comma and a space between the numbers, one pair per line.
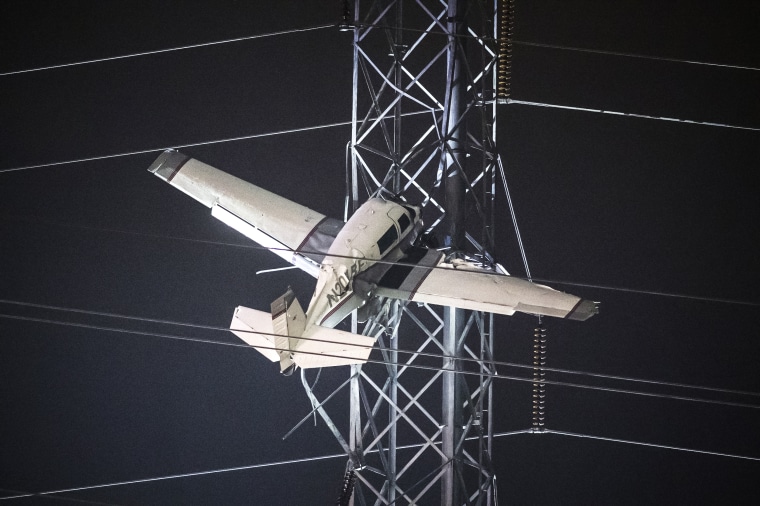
283, 226
423, 276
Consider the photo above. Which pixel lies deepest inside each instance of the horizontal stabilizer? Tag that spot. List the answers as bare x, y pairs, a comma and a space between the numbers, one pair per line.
247, 323
326, 347
317, 347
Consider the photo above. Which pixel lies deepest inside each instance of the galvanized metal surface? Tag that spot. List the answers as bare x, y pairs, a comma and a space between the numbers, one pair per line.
439, 159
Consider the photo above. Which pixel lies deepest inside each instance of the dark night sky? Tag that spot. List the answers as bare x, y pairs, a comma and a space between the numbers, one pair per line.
602, 200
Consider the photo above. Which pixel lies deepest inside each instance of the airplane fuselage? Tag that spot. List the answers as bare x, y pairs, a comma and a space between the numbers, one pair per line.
378, 230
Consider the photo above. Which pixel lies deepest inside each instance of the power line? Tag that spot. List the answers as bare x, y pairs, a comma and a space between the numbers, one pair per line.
382, 362
346, 123
176, 476
193, 144
653, 445
562, 47
650, 292
630, 114
386, 262
433, 355
331, 25
168, 50
343, 455
228, 469
153, 150
19, 494
631, 55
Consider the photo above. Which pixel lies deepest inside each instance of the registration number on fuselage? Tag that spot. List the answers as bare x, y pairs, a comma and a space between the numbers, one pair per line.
343, 283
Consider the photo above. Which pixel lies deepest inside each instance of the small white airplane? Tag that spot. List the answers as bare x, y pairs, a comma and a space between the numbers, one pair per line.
344, 257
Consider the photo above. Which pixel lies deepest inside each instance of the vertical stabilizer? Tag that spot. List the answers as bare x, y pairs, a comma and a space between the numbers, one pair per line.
288, 323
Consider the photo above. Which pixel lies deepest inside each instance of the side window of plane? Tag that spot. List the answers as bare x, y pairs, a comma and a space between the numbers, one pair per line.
403, 223
412, 212
387, 240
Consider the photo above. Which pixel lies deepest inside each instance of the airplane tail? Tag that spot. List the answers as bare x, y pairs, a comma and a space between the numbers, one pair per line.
255, 328
283, 336
288, 323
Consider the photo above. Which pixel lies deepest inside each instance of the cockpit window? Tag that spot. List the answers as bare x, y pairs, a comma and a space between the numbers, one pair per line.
387, 240
403, 222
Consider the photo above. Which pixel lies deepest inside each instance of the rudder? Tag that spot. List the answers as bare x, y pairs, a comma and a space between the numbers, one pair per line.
288, 323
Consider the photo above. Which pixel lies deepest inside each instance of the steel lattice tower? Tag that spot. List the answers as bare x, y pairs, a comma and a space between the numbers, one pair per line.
425, 81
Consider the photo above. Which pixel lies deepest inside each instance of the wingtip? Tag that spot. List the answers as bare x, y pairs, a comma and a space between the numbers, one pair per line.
584, 310
168, 164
